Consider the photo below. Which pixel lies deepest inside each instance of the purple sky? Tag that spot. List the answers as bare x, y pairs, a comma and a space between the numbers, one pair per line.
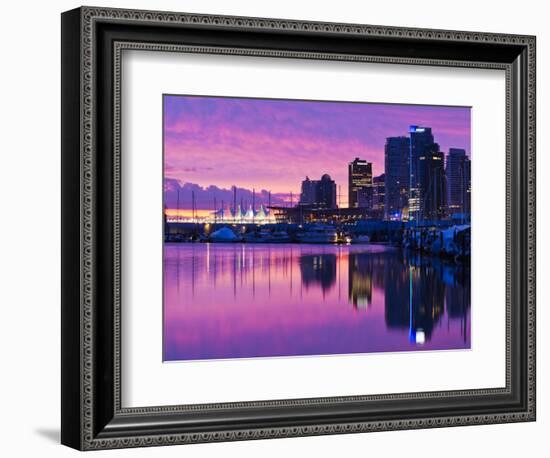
273, 144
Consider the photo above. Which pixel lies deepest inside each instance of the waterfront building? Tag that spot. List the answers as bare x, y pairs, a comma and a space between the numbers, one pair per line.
359, 183
224, 215
378, 195
326, 192
431, 184
301, 214
457, 172
421, 140
262, 213
422, 163
318, 193
396, 177
250, 214
307, 196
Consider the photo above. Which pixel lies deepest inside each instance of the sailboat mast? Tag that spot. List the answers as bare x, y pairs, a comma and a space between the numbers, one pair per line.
235, 200
241, 214
178, 206
253, 203
193, 213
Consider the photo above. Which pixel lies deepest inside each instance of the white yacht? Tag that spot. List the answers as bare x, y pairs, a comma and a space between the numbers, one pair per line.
224, 235
318, 234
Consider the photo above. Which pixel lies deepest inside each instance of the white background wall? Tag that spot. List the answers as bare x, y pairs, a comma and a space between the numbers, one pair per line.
30, 240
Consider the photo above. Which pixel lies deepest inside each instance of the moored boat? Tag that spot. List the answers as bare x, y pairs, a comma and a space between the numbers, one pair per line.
360, 239
280, 237
267, 237
318, 234
224, 235
257, 237
452, 241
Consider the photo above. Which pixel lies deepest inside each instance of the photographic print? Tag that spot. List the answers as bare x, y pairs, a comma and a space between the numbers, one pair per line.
305, 227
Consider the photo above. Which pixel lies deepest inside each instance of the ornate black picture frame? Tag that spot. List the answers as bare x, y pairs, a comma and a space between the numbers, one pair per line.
92, 42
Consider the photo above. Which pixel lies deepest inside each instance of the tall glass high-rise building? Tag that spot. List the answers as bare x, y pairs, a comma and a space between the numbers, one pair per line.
458, 181
427, 190
431, 184
359, 183
378, 195
396, 177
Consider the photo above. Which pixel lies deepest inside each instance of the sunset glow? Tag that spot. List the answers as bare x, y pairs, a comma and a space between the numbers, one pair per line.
272, 145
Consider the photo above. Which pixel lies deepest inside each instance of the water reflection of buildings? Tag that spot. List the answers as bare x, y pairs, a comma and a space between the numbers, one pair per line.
457, 296
396, 295
426, 302
418, 292
318, 269
359, 281
416, 298
364, 271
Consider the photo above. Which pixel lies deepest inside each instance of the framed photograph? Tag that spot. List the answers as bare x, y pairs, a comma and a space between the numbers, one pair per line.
276, 228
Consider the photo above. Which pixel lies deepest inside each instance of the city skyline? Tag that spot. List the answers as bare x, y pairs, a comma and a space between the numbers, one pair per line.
318, 137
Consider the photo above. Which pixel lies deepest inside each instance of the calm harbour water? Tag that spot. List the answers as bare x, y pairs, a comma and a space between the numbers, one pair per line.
260, 300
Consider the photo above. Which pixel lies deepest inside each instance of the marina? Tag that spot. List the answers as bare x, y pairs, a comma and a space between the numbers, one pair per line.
447, 240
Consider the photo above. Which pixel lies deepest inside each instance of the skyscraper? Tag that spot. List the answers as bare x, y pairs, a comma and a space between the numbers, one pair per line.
307, 196
360, 183
326, 192
421, 139
396, 177
427, 180
378, 195
431, 184
458, 181
318, 193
